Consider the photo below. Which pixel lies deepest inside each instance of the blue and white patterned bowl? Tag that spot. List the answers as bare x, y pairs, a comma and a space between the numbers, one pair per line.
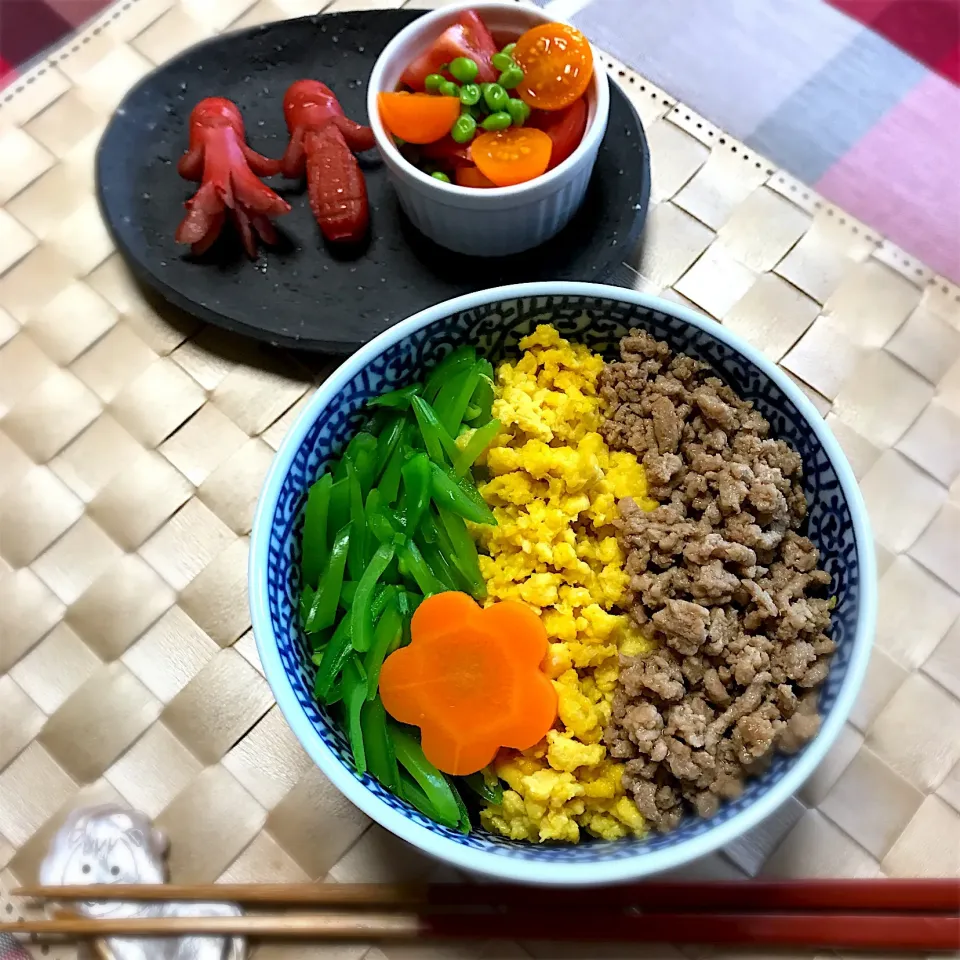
494, 321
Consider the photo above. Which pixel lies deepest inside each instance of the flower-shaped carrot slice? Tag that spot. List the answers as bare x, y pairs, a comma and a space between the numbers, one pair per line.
471, 681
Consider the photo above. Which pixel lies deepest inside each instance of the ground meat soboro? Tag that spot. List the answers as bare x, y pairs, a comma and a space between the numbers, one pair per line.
720, 577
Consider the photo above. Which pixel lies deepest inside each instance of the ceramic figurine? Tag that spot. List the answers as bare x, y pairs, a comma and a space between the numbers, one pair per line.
109, 844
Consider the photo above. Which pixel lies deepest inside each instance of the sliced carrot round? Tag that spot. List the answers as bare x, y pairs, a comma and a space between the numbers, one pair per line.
418, 117
511, 156
557, 65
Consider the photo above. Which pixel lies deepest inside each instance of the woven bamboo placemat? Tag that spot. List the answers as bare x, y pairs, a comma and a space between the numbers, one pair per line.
133, 445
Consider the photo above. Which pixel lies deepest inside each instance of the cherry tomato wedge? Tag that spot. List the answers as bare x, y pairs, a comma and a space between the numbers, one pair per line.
418, 117
557, 65
448, 152
564, 127
468, 37
511, 156
472, 177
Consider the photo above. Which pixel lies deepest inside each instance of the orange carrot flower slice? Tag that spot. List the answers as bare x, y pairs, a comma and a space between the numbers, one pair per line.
471, 681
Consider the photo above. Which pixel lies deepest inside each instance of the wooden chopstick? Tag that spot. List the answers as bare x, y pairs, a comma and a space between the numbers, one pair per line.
931, 896
830, 931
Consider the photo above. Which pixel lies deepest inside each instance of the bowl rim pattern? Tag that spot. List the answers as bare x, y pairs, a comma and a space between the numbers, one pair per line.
528, 870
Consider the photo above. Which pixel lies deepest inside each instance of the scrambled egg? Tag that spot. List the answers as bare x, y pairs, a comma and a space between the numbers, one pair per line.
554, 487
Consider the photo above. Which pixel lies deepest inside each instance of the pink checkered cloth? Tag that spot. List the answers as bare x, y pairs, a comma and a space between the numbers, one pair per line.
11, 948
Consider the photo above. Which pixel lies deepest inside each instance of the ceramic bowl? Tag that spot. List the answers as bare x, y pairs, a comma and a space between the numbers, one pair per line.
496, 221
494, 321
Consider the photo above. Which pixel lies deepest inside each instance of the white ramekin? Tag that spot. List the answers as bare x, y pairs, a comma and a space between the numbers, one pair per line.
500, 220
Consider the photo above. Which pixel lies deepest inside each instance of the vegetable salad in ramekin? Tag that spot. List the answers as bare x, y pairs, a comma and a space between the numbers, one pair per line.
472, 111
492, 95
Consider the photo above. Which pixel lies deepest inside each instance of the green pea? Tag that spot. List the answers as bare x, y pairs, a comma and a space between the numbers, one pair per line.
501, 61
511, 77
497, 121
495, 97
470, 94
464, 128
463, 69
448, 89
518, 110
508, 49
433, 82
441, 176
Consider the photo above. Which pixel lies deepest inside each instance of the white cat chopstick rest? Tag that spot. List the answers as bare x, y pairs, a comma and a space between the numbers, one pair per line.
112, 845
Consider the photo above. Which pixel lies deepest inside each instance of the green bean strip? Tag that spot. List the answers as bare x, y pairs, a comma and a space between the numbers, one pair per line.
382, 523
448, 552
354, 697
361, 611
358, 440
315, 548
306, 602
347, 592
436, 437
381, 758
325, 600
438, 551
428, 430
339, 511
463, 820
390, 479
430, 780
485, 368
318, 644
481, 403
386, 637
488, 792
365, 460
397, 399
361, 452
416, 488
334, 657
408, 605
357, 559
387, 442
380, 526
469, 489
449, 494
456, 539
480, 439
459, 390
336, 694
411, 792
449, 366
383, 595
438, 566
416, 566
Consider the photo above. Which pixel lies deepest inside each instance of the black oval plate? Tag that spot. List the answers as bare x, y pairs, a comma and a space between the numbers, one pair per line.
304, 294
